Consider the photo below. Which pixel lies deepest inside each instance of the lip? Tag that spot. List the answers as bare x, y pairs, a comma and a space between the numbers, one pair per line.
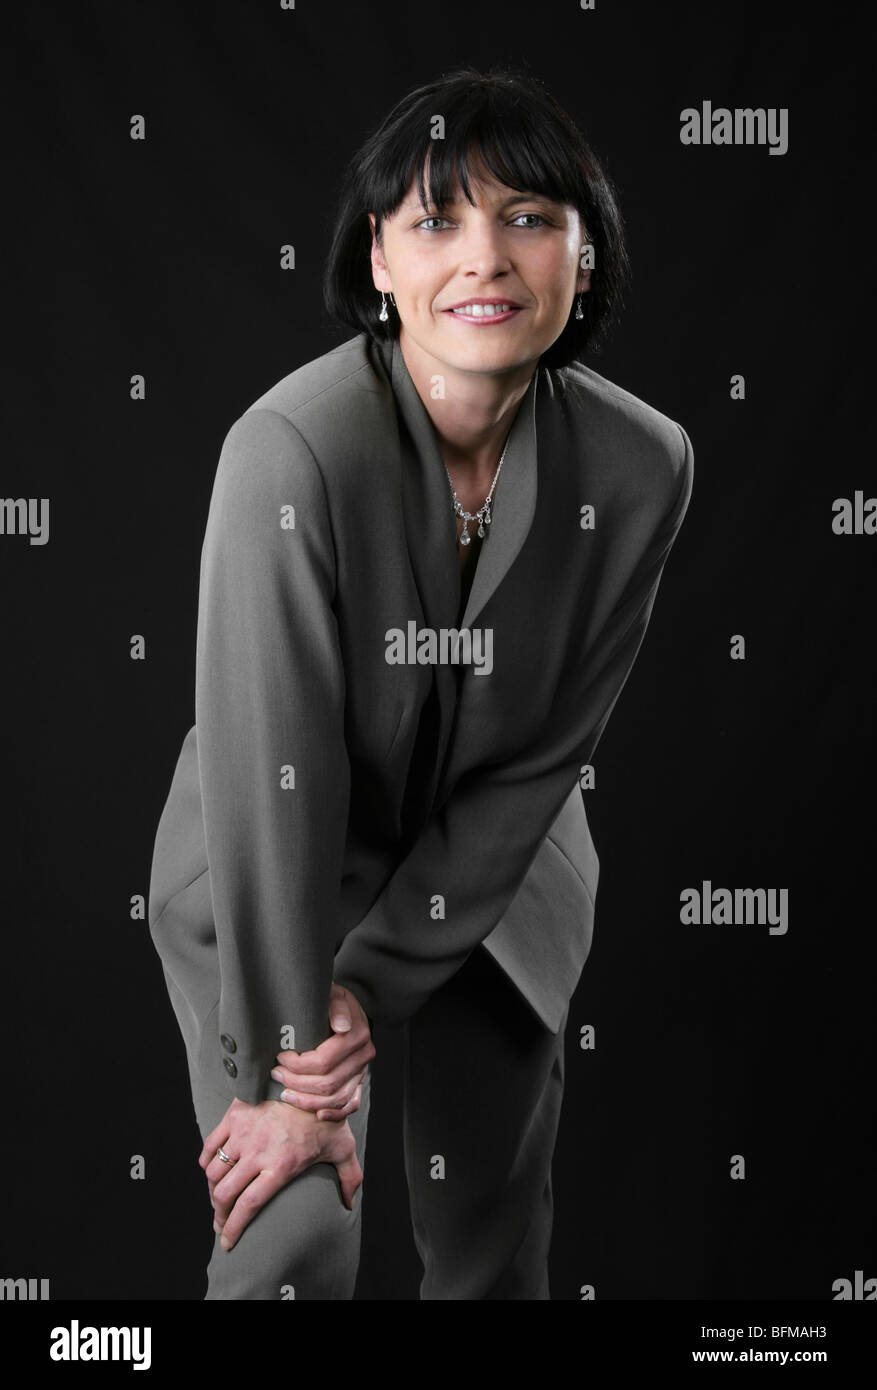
492, 299
483, 320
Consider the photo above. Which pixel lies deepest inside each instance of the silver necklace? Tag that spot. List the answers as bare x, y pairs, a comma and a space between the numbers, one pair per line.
482, 516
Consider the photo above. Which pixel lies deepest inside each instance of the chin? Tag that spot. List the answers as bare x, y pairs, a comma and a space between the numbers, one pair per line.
498, 351
503, 358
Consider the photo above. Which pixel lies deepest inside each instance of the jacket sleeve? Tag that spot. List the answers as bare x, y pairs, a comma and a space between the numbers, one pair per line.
477, 847
273, 767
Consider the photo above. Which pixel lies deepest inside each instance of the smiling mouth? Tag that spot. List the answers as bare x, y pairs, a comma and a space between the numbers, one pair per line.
483, 314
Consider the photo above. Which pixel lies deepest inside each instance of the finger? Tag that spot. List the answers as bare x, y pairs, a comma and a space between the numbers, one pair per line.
330, 1100
341, 1112
340, 1102
213, 1143
347, 1093
217, 1136
212, 1180
350, 1178
329, 1054
326, 1090
227, 1193
259, 1191
340, 1010
326, 1081
218, 1169
352, 1105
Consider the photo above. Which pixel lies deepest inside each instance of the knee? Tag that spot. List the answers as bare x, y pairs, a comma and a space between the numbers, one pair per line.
303, 1244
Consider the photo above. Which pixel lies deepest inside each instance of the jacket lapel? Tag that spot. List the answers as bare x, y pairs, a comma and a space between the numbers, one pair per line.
512, 509
437, 562
431, 529
431, 542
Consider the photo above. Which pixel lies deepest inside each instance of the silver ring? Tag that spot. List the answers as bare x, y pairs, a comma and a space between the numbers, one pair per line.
225, 1158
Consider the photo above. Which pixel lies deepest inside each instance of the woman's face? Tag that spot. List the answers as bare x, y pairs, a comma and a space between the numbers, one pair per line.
510, 249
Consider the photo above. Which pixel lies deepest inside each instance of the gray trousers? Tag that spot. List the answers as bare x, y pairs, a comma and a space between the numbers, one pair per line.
483, 1084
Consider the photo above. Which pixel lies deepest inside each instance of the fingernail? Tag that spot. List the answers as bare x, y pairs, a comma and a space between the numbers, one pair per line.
225, 1243
341, 1024
217, 1228
289, 1096
277, 1074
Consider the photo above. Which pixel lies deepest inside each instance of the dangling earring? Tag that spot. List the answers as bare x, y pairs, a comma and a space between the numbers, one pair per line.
383, 315
579, 311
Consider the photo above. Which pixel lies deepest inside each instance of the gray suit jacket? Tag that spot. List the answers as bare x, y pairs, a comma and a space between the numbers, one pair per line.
400, 814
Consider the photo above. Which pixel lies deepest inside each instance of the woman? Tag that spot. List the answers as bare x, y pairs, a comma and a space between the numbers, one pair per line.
430, 559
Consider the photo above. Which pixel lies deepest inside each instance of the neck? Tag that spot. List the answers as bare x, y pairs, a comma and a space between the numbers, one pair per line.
474, 417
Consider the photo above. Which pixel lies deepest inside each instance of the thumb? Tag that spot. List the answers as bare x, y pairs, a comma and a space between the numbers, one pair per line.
350, 1178
340, 1015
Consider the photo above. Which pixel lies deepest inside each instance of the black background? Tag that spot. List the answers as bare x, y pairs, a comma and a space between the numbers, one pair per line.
162, 257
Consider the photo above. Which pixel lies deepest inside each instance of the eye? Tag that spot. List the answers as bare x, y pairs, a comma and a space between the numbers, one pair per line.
433, 217
537, 215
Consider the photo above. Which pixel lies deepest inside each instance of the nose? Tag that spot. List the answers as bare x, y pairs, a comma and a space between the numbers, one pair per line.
483, 249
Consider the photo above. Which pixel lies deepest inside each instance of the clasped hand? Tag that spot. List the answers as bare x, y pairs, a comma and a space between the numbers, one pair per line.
275, 1141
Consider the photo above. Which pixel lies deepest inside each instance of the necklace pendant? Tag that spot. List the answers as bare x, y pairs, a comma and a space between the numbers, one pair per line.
465, 539
481, 531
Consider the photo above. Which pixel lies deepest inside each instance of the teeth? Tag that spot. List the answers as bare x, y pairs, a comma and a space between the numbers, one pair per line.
476, 311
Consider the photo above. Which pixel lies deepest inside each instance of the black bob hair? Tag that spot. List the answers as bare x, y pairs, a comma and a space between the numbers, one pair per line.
527, 141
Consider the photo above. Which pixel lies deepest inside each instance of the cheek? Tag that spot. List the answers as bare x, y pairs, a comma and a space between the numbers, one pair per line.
553, 274
415, 291
423, 302
555, 292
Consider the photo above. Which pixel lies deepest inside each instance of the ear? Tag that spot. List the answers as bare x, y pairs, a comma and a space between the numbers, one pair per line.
380, 273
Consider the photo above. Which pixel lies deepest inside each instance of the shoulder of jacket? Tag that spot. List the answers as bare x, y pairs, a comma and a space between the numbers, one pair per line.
614, 419
341, 372
326, 410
